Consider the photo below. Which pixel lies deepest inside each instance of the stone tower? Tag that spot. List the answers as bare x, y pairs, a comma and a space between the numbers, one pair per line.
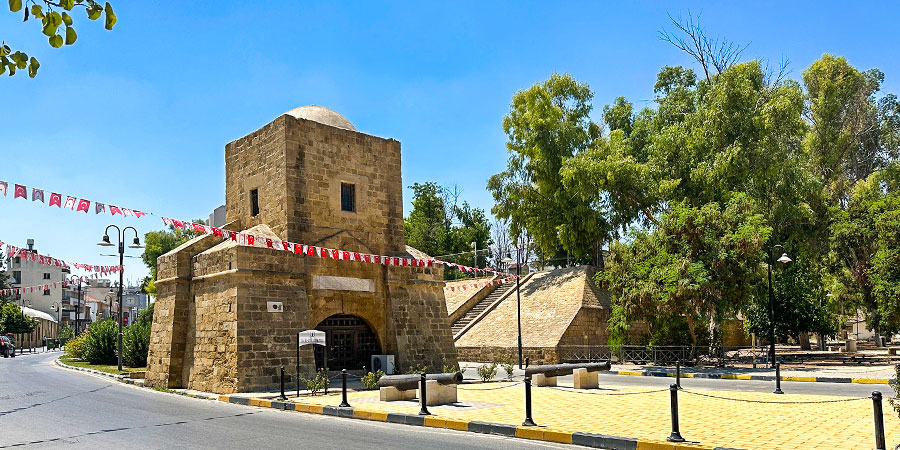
306, 177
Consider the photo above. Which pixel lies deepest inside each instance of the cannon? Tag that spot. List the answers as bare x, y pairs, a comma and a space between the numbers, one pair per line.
440, 389
584, 374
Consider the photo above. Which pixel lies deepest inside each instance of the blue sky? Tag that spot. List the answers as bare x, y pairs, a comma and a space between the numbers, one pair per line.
139, 116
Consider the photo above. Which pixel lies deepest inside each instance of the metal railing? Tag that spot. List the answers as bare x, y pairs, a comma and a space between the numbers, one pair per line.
662, 354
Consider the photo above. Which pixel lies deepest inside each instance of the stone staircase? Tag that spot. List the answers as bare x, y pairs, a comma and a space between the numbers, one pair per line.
480, 307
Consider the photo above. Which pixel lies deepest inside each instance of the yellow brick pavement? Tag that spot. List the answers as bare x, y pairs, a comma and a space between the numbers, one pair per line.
645, 415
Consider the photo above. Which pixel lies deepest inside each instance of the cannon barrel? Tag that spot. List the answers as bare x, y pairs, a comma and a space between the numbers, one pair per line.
557, 370
411, 381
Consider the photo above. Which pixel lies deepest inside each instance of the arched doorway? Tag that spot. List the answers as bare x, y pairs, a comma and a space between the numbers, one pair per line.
350, 342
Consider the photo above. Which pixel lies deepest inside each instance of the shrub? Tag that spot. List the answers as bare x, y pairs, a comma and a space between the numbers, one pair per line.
136, 344
508, 363
416, 369
370, 380
317, 383
100, 342
75, 346
66, 333
487, 372
449, 368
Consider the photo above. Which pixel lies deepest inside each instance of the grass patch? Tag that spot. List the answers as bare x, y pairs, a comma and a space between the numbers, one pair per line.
114, 369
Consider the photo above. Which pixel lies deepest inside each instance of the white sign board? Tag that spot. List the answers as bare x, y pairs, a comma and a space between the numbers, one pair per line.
312, 337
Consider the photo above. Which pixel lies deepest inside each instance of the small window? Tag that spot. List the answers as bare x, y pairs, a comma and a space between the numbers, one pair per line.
17, 277
348, 197
254, 202
46, 276
46, 291
18, 260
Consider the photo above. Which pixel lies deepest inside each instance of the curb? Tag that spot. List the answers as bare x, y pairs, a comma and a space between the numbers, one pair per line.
734, 376
535, 433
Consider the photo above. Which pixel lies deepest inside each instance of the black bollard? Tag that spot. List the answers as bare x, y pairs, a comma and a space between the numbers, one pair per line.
778, 379
675, 436
879, 421
526, 362
423, 397
678, 373
529, 422
283, 397
344, 403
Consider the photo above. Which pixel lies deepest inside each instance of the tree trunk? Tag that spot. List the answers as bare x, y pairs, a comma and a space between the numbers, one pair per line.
804, 341
690, 322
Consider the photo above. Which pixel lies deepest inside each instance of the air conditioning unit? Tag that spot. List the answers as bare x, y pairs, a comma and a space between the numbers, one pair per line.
384, 363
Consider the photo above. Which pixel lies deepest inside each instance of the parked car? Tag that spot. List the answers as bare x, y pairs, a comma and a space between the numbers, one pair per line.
7, 348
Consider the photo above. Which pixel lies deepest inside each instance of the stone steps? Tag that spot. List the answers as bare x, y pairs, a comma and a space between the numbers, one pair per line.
480, 307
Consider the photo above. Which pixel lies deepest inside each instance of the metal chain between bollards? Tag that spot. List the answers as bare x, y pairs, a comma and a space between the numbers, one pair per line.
843, 400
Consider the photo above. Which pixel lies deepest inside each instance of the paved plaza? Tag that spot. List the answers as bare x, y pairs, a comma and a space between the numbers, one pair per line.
746, 420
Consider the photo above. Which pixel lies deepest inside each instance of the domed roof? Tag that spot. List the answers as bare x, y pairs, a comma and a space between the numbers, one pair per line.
322, 114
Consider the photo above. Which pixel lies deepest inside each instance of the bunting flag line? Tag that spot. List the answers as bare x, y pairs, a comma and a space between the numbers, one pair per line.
38, 288
322, 252
481, 283
71, 203
12, 251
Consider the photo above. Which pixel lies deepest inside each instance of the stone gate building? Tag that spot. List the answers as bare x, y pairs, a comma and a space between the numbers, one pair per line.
309, 177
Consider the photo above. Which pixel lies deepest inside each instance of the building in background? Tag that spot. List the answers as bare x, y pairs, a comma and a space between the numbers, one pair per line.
27, 273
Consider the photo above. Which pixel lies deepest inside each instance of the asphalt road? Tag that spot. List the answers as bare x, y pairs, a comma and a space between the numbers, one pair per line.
44, 406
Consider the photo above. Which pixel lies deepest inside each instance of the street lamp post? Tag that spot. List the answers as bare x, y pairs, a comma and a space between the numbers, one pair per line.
75, 279
135, 244
518, 299
784, 259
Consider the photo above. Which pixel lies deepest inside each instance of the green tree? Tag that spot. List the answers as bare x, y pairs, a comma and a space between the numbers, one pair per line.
56, 24
699, 266
13, 320
472, 226
158, 243
548, 124
428, 228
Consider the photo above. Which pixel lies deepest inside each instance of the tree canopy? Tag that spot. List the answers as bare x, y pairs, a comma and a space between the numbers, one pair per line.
56, 24
690, 193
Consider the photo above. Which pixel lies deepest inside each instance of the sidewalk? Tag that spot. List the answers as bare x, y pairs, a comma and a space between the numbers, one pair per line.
628, 418
881, 374
714, 419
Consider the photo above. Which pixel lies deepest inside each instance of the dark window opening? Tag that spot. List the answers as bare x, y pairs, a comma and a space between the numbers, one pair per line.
46, 291
254, 202
348, 197
46, 276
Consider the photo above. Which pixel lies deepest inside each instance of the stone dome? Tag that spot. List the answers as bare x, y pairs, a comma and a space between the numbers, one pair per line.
322, 114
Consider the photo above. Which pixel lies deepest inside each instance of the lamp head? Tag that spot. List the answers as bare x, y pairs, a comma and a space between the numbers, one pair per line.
105, 241
784, 258
507, 260
136, 243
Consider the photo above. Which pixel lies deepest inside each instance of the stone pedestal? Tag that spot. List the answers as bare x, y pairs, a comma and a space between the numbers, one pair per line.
851, 346
582, 379
439, 394
540, 380
392, 394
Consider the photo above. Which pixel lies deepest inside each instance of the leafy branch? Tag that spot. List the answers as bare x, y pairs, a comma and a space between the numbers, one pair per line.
57, 25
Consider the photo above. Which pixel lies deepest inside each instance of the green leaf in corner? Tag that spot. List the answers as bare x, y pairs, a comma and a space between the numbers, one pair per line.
33, 67
12, 69
15, 5
56, 41
110, 16
94, 10
36, 11
67, 19
70, 36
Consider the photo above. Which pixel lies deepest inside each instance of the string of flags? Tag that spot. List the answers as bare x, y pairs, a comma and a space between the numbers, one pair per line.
479, 284
72, 203
249, 239
39, 288
12, 251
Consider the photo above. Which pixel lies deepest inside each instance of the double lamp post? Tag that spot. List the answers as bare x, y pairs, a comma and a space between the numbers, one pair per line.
105, 242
